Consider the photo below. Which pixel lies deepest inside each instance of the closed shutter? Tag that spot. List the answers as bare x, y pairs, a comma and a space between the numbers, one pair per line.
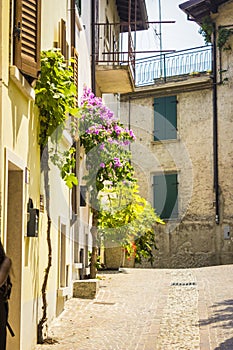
165, 118
171, 117
27, 36
159, 118
75, 68
62, 38
166, 195
74, 188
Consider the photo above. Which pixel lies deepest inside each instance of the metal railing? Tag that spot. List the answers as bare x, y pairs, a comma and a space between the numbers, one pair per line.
178, 63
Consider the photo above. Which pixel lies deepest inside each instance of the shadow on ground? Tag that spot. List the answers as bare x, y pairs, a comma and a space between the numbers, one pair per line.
222, 317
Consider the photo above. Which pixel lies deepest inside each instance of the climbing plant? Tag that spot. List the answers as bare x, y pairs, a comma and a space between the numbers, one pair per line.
223, 33
55, 96
206, 29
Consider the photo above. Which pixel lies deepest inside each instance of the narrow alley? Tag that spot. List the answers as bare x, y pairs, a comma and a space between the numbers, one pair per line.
151, 309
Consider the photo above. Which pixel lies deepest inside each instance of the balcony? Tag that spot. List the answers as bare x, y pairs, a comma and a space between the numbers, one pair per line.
115, 47
115, 67
167, 67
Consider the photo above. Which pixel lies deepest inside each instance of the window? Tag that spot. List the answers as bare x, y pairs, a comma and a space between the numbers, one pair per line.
78, 4
166, 195
165, 118
27, 22
83, 196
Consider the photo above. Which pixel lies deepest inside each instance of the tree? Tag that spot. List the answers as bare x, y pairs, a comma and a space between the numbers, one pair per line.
105, 141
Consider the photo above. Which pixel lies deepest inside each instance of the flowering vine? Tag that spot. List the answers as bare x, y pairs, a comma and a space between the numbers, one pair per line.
106, 143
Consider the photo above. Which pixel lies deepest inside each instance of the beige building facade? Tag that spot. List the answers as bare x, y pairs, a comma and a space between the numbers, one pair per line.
27, 28
183, 156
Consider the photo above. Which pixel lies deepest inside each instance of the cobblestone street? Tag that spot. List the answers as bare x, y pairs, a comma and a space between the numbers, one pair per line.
151, 309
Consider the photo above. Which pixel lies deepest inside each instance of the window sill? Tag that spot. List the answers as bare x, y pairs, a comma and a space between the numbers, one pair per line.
78, 265
64, 291
171, 219
165, 141
22, 83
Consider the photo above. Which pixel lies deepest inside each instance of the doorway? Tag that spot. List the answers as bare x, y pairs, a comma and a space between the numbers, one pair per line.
14, 236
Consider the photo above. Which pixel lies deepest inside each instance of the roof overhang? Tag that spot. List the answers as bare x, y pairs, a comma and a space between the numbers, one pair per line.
198, 9
141, 13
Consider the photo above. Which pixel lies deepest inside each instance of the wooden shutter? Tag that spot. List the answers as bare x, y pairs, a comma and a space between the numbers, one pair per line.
165, 195
74, 203
75, 68
165, 118
27, 36
62, 38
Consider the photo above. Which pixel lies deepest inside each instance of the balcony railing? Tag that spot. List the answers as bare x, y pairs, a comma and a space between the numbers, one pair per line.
111, 48
173, 64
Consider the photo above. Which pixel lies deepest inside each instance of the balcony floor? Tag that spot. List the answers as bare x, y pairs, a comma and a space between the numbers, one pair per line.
114, 78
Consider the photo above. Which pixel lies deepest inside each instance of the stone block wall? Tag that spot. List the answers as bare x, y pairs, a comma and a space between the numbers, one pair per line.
193, 239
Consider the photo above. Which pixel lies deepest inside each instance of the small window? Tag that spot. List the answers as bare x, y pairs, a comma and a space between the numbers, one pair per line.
83, 196
165, 188
78, 4
165, 118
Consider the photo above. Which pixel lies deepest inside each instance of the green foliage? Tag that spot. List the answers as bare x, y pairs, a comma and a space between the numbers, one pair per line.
223, 36
55, 94
55, 98
206, 29
66, 163
128, 219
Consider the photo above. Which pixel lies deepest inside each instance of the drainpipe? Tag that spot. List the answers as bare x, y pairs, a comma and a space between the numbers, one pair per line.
129, 120
93, 45
215, 125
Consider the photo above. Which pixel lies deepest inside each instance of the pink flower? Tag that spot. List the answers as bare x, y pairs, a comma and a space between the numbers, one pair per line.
117, 162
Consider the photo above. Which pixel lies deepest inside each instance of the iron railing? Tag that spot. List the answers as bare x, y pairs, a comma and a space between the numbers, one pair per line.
178, 63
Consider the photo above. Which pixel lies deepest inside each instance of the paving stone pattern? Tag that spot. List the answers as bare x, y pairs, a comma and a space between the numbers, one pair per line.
151, 309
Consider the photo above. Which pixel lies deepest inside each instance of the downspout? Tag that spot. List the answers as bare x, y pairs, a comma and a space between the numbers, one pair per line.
129, 120
215, 122
93, 46
215, 125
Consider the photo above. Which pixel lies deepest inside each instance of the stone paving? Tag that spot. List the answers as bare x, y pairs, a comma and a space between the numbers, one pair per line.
151, 309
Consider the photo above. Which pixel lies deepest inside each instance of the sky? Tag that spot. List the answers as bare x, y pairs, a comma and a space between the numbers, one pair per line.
176, 36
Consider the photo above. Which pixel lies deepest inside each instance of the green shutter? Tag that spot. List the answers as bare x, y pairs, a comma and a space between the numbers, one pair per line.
165, 195
160, 193
171, 117
159, 117
165, 118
